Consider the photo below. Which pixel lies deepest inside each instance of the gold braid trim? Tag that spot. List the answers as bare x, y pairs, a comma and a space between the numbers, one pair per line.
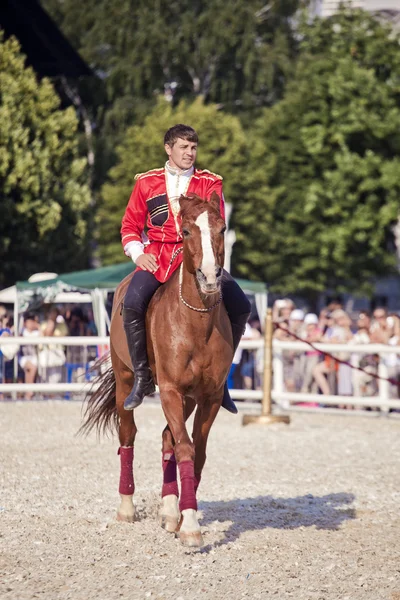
200, 171
150, 172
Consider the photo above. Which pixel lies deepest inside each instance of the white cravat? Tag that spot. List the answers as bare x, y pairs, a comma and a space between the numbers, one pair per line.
177, 182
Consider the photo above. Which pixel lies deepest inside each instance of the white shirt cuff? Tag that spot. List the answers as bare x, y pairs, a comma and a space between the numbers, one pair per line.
134, 250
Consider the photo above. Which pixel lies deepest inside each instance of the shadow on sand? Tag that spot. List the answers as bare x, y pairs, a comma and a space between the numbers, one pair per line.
261, 512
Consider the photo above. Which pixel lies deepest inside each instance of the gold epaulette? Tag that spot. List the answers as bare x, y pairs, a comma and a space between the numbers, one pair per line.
211, 173
148, 172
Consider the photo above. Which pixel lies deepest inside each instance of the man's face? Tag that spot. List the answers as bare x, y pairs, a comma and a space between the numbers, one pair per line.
182, 154
363, 321
380, 317
30, 324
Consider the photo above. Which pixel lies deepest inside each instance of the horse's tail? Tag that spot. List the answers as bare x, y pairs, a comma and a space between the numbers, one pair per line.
100, 411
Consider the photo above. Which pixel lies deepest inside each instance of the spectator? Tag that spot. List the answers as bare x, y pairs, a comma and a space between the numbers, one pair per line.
7, 352
339, 333
10, 352
91, 325
77, 356
325, 322
52, 357
282, 333
296, 326
28, 359
237, 358
392, 360
364, 384
313, 334
249, 369
343, 334
3, 313
380, 330
282, 309
77, 324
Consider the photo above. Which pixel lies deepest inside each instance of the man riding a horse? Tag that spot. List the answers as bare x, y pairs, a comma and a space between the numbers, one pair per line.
194, 313
155, 203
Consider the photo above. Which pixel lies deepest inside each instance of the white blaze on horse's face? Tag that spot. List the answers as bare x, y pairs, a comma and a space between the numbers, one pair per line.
209, 273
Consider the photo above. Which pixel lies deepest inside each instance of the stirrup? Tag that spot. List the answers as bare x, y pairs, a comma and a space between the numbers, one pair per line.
227, 401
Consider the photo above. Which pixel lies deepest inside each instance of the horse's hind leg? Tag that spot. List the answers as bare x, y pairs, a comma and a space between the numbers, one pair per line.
169, 511
127, 434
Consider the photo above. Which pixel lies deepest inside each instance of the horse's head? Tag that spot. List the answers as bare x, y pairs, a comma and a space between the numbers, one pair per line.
203, 231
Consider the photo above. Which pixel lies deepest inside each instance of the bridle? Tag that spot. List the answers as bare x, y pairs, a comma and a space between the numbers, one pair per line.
202, 310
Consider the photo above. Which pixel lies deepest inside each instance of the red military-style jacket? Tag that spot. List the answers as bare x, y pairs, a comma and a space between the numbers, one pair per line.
153, 207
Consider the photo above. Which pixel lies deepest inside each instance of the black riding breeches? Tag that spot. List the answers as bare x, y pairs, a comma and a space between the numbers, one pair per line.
235, 300
143, 285
140, 291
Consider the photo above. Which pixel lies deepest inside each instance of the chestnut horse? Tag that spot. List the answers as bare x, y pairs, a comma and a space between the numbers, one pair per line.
190, 349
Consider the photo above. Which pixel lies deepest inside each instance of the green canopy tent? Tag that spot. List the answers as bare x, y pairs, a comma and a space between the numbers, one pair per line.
102, 280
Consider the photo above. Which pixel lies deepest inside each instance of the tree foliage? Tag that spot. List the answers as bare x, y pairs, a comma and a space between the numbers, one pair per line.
324, 184
230, 51
237, 54
44, 196
221, 149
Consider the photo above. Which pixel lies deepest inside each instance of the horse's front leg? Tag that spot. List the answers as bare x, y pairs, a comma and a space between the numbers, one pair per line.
204, 418
127, 433
169, 512
173, 406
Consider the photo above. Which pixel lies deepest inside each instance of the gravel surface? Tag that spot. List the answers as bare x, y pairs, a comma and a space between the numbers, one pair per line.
305, 511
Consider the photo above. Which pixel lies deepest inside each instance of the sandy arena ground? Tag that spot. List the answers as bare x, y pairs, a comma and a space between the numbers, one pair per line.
306, 511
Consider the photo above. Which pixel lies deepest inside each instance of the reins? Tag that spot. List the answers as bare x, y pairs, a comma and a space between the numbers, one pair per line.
202, 310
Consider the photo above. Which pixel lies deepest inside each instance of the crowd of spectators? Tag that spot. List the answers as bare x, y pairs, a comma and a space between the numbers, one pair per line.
52, 363
312, 371
307, 371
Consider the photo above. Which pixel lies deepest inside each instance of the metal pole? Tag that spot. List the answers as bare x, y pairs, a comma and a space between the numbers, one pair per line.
266, 417
267, 380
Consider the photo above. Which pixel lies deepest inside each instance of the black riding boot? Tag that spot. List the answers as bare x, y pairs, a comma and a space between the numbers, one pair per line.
237, 332
135, 330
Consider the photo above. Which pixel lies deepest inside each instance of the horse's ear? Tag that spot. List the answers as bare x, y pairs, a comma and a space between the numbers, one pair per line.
215, 201
184, 202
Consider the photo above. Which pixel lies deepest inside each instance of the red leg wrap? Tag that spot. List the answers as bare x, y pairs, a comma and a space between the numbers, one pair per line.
188, 495
126, 483
170, 484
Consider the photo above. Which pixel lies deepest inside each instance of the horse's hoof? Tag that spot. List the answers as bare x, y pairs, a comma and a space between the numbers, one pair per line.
192, 539
168, 523
125, 518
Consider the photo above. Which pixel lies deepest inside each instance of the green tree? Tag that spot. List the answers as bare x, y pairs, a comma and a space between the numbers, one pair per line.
237, 54
227, 51
222, 149
43, 191
323, 193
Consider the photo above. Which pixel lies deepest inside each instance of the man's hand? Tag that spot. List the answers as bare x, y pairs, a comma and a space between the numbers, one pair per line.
147, 262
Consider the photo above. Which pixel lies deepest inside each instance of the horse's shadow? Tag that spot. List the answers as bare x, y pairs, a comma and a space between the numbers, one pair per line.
261, 512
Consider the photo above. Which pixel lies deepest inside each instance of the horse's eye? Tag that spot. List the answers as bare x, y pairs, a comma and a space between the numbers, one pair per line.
223, 230
185, 232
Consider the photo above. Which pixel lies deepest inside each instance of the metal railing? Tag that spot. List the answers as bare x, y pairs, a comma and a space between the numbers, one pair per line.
280, 396
382, 400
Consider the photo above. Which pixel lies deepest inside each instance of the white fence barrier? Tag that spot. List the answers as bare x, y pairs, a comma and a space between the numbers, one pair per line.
279, 395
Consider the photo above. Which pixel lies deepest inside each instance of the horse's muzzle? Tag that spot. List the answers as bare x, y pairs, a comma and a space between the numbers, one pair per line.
210, 283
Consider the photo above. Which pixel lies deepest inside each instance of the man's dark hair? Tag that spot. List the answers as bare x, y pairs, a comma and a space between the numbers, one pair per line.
180, 131
29, 316
78, 313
